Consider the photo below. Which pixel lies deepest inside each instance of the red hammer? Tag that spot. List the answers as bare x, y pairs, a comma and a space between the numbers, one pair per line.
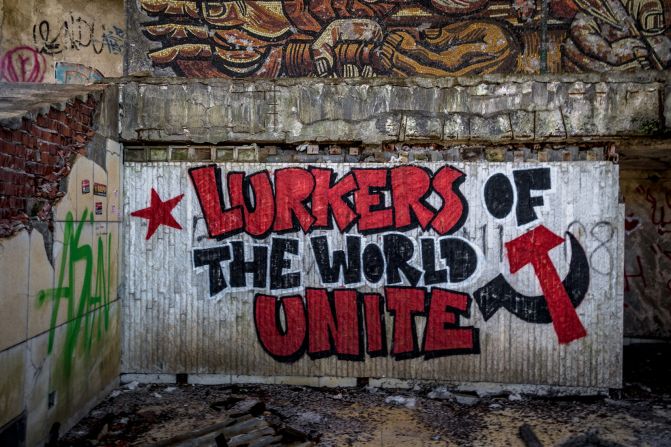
534, 248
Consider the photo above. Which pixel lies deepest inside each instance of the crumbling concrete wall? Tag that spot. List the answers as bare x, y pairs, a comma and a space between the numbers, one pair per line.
486, 110
60, 180
71, 42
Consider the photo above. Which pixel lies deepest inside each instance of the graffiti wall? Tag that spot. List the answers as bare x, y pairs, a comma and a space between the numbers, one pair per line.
333, 38
70, 42
647, 262
59, 269
466, 272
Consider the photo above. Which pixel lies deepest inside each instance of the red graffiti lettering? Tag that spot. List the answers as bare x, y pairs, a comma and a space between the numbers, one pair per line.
376, 339
333, 324
283, 344
259, 219
375, 200
219, 221
443, 334
293, 187
411, 185
403, 304
329, 196
657, 211
453, 212
640, 274
369, 200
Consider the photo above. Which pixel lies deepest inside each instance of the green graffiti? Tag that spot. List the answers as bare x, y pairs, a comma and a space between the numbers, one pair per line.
87, 310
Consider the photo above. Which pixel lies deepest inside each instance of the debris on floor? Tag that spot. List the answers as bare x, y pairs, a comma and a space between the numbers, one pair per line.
260, 415
257, 415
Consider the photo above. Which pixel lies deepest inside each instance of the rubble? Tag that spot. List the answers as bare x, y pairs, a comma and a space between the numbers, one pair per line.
408, 402
461, 398
365, 416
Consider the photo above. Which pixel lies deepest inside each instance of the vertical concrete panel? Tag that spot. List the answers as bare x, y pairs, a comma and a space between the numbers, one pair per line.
73, 350
174, 323
99, 199
41, 278
14, 271
38, 386
12, 371
113, 166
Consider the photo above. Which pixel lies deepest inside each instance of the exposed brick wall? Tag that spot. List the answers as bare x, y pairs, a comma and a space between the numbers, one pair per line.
35, 157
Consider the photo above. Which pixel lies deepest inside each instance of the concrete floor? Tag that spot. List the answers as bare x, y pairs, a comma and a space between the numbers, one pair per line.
637, 415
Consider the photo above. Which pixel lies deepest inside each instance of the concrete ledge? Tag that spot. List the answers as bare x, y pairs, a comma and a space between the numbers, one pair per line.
21, 100
517, 109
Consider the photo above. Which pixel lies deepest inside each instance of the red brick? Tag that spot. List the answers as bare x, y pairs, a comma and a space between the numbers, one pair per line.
43, 121
50, 159
9, 148
44, 169
76, 126
25, 138
18, 163
31, 167
17, 203
6, 176
6, 134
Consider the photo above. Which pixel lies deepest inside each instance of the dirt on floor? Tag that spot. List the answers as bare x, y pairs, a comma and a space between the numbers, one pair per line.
638, 415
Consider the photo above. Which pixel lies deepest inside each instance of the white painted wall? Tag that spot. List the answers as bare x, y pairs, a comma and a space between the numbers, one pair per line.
172, 324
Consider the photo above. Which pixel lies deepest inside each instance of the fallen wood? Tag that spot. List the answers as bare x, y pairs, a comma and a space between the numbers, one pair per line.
292, 434
176, 440
529, 437
266, 441
248, 406
237, 420
245, 439
244, 427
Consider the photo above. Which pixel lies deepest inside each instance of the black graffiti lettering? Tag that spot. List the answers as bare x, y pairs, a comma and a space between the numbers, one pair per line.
373, 263
212, 258
258, 266
460, 258
601, 259
349, 264
527, 180
278, 263
398, 251
499, 197
431, 275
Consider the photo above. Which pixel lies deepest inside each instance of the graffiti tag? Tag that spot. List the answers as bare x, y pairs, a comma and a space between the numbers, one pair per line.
88, 306
75, 34
22, 64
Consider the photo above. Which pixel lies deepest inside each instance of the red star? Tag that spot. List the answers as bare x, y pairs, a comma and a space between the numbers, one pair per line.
159, 213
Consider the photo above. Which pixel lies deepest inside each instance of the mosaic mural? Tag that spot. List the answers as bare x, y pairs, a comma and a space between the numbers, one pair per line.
346, 38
